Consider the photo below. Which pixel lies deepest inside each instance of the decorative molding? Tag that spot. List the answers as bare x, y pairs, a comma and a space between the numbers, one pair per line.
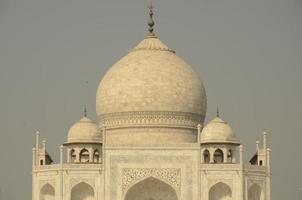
259, 182
212, 182
220, 167
151, 118
179, 146
69, 166
131, 176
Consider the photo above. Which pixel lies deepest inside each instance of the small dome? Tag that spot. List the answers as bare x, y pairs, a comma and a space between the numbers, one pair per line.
218, 131
84, 131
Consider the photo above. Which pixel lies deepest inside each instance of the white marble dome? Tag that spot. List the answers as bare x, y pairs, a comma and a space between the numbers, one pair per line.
218, 131
151, 86
84, 131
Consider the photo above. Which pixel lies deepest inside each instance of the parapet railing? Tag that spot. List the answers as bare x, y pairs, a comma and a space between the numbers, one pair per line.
255, 168
233, 166
69, 166
222, 166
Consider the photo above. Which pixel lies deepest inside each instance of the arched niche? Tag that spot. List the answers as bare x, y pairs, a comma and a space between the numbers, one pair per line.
82, 191
72, 155
218, 156
151, 189
254, 192
220, 191
206, 156
84, 155
96, 156
230, 156
47, 192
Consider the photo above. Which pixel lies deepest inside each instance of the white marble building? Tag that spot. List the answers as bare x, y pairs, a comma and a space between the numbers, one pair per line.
150, 142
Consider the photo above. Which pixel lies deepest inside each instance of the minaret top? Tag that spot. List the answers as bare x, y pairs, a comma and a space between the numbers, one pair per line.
151, 22
217, 111
85, 111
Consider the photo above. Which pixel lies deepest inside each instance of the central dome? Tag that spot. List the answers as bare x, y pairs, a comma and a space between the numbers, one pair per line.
151, 87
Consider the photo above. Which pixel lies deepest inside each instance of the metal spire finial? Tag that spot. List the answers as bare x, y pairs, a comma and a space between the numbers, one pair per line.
217, 111
85, 107
85, 111
151, 21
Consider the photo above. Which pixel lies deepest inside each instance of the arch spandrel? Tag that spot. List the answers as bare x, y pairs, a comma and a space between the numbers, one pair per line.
131, 176
75, 181
213, 182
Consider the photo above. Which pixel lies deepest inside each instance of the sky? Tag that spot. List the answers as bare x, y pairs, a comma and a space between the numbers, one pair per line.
53, 55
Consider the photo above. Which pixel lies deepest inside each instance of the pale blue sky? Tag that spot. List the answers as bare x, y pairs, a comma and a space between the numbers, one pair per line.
247, 52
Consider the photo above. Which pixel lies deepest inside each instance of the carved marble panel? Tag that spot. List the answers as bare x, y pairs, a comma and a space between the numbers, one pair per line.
134, 175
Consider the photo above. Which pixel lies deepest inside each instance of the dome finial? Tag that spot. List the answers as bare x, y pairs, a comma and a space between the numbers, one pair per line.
85, 111
151, 21
217, 111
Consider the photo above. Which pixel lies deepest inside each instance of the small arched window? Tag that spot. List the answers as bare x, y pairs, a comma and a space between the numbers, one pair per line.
72, 155
206, 156
84, 155
260, 162
218, 156
96, 156
230, 156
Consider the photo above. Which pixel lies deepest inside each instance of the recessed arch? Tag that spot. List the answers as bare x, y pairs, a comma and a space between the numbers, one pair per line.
72, 155
151, 189
230, 156
218, 156
82, 191
254, 192
84, 155
220, 191
96, 156
206, 156
47, 192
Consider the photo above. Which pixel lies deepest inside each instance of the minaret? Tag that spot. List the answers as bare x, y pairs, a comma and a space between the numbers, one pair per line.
257, 145
61, 172
37, 147
198, 132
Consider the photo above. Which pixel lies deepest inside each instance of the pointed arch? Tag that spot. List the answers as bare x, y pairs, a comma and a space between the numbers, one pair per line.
72, 155
96, 156
220, 191
218, 156
206, 156
254, 192
151, 189
84, 155
82, 191
230, 156
47, 192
